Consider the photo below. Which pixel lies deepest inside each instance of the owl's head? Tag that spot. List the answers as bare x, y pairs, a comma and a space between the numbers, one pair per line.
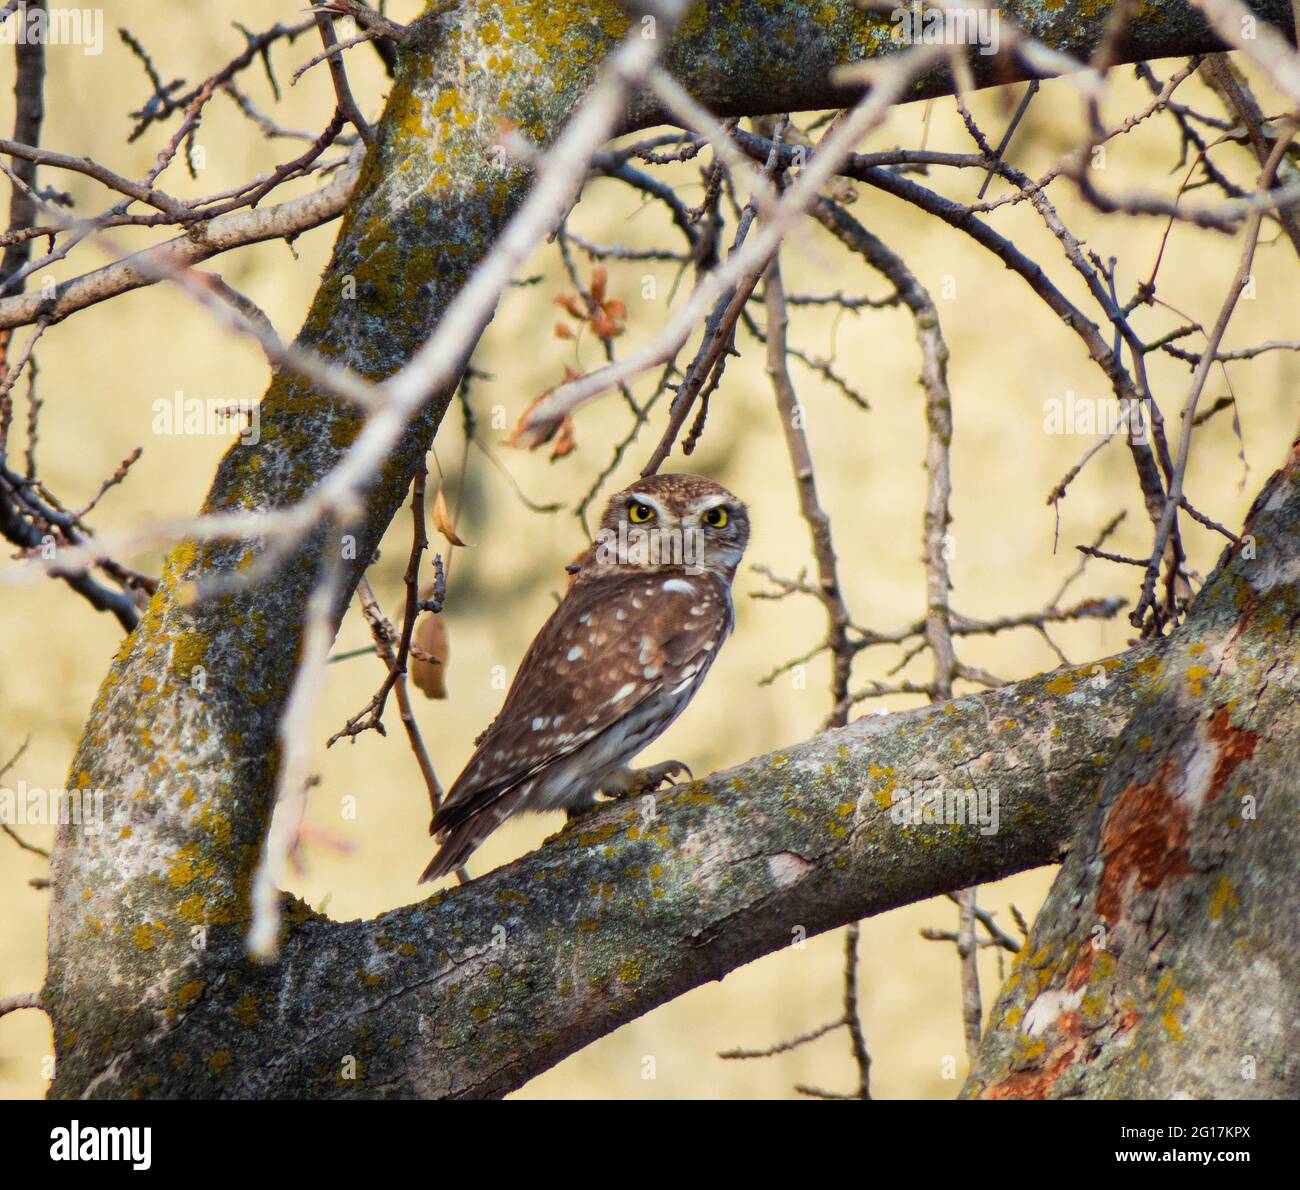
674, 522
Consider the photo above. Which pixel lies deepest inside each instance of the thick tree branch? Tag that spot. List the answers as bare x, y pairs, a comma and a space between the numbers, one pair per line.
236, 229
477, 989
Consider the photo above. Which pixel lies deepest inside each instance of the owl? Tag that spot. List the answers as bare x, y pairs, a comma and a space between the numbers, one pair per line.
646, 612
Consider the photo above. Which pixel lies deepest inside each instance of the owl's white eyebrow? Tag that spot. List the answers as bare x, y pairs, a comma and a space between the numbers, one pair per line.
711, 502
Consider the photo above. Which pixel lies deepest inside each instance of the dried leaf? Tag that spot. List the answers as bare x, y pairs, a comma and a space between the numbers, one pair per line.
442, 519
570, 304
603, 327
599, 278
565, 441
430, 636
563, 330
616, 308
530, 436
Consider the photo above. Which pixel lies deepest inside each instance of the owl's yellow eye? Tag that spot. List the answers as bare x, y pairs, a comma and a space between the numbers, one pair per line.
716, 518
639, 513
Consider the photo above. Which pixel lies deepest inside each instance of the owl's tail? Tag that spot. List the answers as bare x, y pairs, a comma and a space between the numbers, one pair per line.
456, 847
461, 828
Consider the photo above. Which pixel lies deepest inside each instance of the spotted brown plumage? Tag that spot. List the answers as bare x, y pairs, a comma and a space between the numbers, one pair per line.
615, 664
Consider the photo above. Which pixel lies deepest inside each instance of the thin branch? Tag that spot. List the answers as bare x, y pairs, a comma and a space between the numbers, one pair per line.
894, 74
295, 754
286, 220
339, 75
1174, 499
10, 1004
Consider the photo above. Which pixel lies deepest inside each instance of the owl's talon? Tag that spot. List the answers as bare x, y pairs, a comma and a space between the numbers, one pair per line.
671, 770
574, 813
629, 782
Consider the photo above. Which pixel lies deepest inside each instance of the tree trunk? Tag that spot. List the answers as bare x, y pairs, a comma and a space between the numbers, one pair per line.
1164, 961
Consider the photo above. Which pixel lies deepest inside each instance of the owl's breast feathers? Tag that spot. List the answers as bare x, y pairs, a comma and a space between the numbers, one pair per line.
619, 640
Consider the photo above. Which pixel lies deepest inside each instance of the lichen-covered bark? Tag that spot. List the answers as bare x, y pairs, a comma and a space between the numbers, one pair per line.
1165, 960
145, 919
476, 989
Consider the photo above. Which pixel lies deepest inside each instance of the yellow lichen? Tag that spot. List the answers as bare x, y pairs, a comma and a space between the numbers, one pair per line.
246, 1009
189, 993
1224, 899
219, 1061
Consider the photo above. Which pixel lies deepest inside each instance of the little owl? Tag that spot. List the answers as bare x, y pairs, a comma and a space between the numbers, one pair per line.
617, 662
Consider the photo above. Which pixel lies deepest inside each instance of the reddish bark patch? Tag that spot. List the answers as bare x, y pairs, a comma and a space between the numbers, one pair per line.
1081, 972
1039, 1082
1235, 745
1144, 843
1036, 1083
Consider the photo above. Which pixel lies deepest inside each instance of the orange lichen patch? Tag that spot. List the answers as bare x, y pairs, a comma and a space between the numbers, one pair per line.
1036, 1083
1196, 675
1070, 1023
144, 935
189, 993
182, 872
219, 1061
1061, 684
1173, 1026
1235, 747
1127, 1020
1144, 843
192, 910
630, 972
189, 649
1038, 1064
245, 1009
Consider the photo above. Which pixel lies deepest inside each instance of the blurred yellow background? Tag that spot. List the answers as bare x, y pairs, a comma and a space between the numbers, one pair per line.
101, 371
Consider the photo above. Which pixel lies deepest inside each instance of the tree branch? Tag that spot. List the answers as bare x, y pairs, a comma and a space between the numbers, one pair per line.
285, 220
477, 989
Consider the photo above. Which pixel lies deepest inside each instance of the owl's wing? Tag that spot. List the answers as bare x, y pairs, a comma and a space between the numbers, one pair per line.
612, 643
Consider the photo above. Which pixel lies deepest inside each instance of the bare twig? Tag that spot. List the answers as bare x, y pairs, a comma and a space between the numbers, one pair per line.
295, 754
10, 1004
1175, 496
339, 75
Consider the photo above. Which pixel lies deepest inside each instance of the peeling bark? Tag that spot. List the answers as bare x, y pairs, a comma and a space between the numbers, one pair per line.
147, 987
